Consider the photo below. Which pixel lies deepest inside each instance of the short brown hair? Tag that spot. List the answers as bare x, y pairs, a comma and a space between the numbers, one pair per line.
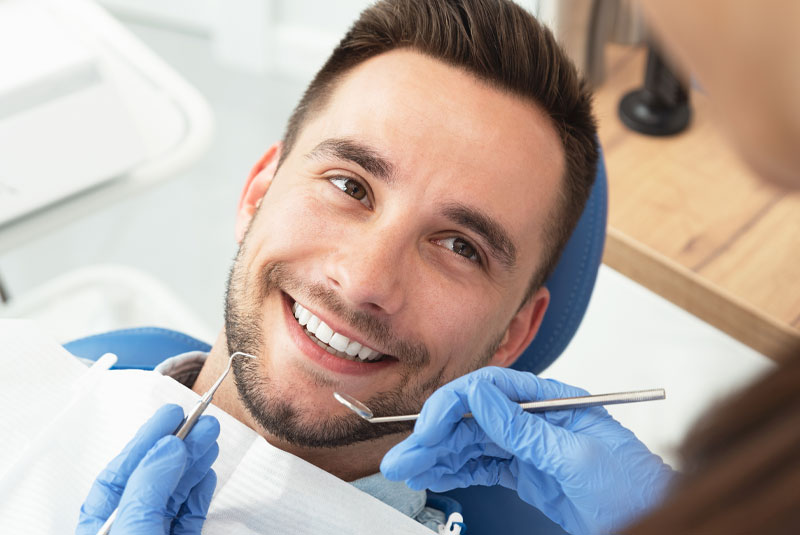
500, 43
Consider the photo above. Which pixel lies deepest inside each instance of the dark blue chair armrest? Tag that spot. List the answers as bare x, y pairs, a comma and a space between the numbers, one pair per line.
493, 510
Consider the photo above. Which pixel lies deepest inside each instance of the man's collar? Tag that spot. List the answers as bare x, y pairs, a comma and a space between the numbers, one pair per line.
184, 368
393, 493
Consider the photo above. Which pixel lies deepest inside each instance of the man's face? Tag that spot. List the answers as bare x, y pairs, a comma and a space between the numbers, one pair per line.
409, 219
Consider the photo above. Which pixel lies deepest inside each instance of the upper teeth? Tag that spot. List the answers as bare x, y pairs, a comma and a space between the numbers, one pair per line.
328, 336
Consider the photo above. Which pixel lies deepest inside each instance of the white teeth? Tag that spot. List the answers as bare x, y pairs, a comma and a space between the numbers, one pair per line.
331, 341
339, 342
323, 332
353, 348
313, 323
301, 314
366, 353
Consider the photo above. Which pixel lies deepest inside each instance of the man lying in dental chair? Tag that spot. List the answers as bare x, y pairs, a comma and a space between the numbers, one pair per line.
396, 239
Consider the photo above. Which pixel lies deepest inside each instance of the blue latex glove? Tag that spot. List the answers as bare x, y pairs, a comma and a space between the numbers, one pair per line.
161, 483
579, 467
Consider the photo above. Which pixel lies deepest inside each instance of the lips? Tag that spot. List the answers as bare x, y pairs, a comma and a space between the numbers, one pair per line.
325, 355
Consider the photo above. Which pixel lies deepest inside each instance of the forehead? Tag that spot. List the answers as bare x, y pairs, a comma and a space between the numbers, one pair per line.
453, 135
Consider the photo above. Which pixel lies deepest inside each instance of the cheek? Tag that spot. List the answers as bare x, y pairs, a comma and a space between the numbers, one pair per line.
459, 329
291, 222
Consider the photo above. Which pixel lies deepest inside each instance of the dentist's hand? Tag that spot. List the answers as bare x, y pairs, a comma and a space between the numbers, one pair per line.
161, 483
579, 467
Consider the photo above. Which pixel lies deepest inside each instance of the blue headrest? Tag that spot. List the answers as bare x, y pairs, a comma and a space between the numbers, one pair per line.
572, 281
142, 348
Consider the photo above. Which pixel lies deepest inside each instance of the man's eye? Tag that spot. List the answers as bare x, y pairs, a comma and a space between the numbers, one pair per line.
351, 187
462, 247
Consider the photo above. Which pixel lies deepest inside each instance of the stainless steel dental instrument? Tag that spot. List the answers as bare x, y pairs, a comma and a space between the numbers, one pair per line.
531, 406
187, 424
205, 400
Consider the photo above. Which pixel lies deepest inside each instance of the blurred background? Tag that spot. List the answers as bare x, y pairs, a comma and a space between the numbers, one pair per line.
250, 65
248, 62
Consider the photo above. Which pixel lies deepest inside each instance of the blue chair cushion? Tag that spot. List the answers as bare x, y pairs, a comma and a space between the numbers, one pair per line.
141, 348
572, 281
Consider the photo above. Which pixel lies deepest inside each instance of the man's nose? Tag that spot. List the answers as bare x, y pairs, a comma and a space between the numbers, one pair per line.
369, 271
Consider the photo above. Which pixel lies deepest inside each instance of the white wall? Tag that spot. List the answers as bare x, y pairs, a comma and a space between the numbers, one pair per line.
285, 36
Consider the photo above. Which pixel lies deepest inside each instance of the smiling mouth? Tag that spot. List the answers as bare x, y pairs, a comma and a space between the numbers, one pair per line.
334, 343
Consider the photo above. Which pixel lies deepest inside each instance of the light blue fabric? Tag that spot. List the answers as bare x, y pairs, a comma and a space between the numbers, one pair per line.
397, 495
393, 493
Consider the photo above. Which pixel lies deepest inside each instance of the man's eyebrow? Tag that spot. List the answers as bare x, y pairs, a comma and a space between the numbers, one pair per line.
499, 242
359, 153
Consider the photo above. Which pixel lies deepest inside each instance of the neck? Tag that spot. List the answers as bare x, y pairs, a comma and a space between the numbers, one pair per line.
347, 462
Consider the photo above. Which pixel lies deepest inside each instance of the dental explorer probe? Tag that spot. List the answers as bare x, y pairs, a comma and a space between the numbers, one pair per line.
187, 424
556, 404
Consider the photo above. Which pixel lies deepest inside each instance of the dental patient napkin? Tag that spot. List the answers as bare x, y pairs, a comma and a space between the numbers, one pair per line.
62, 422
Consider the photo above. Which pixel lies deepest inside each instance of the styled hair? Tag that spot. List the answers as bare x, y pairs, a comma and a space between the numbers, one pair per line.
499, 43
741, 465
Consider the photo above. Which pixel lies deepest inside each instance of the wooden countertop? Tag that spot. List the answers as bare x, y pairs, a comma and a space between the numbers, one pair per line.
689, 220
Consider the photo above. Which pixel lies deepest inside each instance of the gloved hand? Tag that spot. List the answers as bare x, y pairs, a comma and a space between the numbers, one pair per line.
579, 467
161, 483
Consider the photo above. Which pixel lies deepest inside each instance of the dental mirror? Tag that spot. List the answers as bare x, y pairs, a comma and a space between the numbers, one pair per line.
354, 405
531, 406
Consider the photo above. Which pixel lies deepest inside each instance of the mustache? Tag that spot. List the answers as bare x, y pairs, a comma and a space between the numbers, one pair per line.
277, 276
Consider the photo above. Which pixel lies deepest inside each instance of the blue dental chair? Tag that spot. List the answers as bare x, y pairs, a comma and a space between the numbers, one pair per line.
486, 510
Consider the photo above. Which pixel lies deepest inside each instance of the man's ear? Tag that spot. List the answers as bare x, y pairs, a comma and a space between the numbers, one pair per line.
256, 187
523, 327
